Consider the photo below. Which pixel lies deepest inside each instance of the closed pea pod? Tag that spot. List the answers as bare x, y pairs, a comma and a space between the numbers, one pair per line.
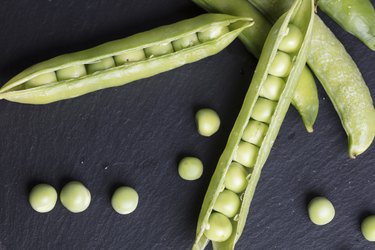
135, 57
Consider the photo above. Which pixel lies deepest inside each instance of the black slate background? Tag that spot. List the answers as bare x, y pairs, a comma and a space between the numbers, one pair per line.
135, 135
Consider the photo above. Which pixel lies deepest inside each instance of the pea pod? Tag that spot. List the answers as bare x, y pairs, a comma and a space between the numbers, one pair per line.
340, 78
122, 61
305, 98
242, 151
355, 16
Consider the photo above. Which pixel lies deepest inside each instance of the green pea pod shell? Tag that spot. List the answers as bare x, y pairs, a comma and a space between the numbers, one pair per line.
158, 40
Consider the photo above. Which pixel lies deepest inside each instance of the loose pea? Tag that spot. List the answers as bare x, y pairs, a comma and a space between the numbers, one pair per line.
75, 197
212, 33
130, 56
368, 228
272, 88
227, 203
125, 200
321, 211
43, 198
208, 122
281, 65
159, 50
71, 72
235, 179
219, 228
41, 80
263, 110
103, 64
190, 168
292, 41
255, 132
246, 154
185, 42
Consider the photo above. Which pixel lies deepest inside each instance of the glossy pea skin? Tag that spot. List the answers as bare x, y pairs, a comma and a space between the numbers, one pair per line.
71, 72
75, 197
185, 42
125, 200
281, 65
103, 64
212, 33
43, 198
272, 88
227, 203
263, 110
368, 228
246, 154
207, 121
219, 227
190, 168
235, 179
255, 132
292, 41
130, 56
41, 80
159, 50
321, 211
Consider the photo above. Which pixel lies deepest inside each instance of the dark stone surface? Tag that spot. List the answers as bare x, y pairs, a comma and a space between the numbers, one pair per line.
134, 135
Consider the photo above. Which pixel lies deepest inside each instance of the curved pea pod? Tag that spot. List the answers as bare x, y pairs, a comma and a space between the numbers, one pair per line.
122, 61
355, 16
241, 138
340, 77
305, 98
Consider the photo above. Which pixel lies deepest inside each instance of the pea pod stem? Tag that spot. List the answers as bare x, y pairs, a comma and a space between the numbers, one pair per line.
340, 78
305, 98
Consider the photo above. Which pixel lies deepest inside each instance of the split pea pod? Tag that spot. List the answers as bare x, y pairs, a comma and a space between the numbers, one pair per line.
340, 77
227, 201
355, 16
122, 61
305, 98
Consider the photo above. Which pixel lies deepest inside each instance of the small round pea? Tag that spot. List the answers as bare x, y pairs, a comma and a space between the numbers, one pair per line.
227, 203
208, 122
43, 198
125, 200
321, 211
255, 132
272, 88
190, 168
212, 33
235, 179
219, 227
368, 228
263, 110
75, 197
71, 72
281, 65
292, 41
246, 154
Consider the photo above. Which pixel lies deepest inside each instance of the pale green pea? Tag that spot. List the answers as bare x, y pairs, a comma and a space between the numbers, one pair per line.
103, 64
227, 203
43, 198
235, 179
207, 121
159, 50
71, 72
263, 110
125, 200
190, 168
212, 33
246, 154
185, 42
75, 197
41, 80
281, 65
368, 228
292, 41
255, 132
321, 211
131, 56
219, 227
272, 88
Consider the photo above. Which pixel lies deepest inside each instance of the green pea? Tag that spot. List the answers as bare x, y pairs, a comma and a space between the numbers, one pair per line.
255, 132
41, 80
125, 200
235, 179
103, 64
263, 110
208, 122
212, 33
368, 228
185, 42
227, 203
219, 228
43, 198
71, 72
159, 50
321, 211
246, 154
190, 168
292, 41
130, 56
281, 65
75, 197
272, 88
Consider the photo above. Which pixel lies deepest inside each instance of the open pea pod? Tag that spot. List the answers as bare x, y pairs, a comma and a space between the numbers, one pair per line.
226, 204
122, 61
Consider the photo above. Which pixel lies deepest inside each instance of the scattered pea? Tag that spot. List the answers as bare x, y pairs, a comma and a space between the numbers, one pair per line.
227, 203
219, 227
75, 197
208, 122
125, 200
321, 211
368, 228
43, 198
190, 168
235, 179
